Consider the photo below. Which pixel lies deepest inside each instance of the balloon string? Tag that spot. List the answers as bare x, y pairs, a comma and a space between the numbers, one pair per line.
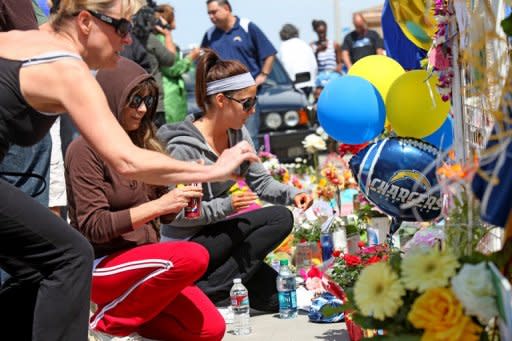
431, 93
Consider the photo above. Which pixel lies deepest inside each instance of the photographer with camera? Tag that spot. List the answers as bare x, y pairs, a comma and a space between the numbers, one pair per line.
147, 27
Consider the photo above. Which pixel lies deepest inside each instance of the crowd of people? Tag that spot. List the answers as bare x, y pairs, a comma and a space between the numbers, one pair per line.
128, 248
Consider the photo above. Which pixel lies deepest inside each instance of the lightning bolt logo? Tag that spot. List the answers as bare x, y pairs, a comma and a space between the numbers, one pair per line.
412, 175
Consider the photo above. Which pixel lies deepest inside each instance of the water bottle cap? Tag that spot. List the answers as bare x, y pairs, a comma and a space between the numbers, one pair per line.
237, 280
283, 262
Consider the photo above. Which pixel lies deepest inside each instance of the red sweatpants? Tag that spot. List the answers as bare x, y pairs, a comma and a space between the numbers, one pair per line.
149, 290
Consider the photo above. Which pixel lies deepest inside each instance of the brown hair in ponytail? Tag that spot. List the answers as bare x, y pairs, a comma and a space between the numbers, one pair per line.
211, 68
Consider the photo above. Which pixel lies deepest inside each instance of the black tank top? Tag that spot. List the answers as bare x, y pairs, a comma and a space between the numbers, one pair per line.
20, 123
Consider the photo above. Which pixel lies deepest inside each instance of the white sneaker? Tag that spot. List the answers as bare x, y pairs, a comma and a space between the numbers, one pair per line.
95, 335
227, 314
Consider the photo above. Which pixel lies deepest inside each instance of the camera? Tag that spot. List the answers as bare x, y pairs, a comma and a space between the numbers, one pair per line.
144, 21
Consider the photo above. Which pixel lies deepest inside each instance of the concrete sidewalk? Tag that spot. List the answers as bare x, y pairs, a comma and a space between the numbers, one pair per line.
270, 327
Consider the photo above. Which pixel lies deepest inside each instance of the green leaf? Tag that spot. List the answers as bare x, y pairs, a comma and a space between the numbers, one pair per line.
507, 25
395, 260
348, 306
329, 310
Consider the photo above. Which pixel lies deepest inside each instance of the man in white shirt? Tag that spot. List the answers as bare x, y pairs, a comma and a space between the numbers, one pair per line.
297, 57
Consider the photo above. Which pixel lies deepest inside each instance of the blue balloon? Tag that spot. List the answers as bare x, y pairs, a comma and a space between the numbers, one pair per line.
392, 173
351, 110
442, 138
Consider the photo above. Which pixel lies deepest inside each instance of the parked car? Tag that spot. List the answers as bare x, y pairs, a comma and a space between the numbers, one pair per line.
285, 116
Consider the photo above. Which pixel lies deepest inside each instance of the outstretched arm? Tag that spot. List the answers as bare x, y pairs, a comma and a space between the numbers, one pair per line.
88, 108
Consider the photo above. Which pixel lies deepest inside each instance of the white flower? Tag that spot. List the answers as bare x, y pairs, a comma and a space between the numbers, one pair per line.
298, 159
473, 287
306, 226
320, 131
314, 143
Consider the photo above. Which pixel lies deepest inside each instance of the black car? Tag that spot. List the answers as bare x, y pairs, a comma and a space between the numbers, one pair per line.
285, 117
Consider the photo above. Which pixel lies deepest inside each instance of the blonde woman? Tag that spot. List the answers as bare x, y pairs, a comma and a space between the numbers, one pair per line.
43, 73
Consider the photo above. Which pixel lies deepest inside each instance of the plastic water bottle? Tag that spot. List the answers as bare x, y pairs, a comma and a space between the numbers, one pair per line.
240, 306
327, 246
287, 291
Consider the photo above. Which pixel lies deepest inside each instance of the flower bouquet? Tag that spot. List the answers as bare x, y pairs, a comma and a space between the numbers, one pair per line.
426, 295
345, 271
346, 268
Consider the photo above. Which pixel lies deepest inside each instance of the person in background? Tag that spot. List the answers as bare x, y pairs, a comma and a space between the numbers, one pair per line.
297, 57
327, 52
361, 42
173, 85
237, 241
240, 39
47, 74
139, 285
147, 29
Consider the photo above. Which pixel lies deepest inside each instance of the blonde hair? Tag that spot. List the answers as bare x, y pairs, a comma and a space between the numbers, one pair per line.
69, 8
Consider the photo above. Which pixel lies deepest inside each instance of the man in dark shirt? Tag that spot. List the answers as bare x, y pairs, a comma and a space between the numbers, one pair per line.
361, 42
240, 39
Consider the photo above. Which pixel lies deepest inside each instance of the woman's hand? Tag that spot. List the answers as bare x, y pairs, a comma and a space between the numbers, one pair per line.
242, 200
177, 199
303, 201
160, 27
194, 53
230, 159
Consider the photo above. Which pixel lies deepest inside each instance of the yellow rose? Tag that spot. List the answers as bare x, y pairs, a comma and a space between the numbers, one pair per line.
440, 314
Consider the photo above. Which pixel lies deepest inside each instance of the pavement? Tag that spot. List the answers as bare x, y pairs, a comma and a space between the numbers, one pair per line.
270, 327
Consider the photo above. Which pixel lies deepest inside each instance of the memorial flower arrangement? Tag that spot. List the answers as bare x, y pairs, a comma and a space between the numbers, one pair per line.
426, 294
346, 268
274, 167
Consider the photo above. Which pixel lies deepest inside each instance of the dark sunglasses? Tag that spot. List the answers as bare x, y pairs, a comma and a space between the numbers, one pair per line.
247, 103
122, 26
138, 99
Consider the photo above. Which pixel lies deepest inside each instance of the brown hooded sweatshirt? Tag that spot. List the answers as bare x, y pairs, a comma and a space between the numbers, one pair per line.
99, 199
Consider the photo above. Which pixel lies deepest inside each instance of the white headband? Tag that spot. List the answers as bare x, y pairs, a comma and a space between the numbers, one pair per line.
237, 82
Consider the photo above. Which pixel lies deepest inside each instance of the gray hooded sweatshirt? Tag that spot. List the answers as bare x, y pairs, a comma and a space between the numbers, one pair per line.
184, 141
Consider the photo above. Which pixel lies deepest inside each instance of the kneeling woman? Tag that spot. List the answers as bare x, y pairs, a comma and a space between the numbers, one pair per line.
139, 285
226, 91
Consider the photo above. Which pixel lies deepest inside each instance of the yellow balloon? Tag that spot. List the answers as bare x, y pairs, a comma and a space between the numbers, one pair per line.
379, 70
415, 20
413, 105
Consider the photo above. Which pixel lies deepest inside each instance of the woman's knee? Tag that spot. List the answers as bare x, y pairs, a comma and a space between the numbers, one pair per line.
193, 258
214, 329
80, 254
282, 217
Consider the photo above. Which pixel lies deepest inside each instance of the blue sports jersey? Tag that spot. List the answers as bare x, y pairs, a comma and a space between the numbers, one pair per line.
245, 42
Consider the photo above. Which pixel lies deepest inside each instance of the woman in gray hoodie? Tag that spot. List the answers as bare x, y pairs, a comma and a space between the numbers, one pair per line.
237, 242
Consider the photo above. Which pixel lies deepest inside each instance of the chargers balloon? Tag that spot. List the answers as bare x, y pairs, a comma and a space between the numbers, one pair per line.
396, 175
442, 138
379, 70
413, 105
351, 110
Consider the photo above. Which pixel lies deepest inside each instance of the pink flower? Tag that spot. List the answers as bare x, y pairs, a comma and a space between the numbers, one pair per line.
438, 59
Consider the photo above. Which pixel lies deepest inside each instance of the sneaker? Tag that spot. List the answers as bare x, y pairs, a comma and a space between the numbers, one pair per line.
227, 314
95, 335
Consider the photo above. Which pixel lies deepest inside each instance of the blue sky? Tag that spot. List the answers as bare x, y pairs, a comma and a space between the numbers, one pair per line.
270, 15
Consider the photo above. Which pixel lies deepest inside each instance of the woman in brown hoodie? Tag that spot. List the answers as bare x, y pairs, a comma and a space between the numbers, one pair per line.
141, 287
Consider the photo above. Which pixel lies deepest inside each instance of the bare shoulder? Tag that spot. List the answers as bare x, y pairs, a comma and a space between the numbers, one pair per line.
46, 86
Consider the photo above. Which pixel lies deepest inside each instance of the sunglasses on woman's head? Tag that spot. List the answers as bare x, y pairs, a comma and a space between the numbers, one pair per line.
122, 26
138, 99
247, 103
